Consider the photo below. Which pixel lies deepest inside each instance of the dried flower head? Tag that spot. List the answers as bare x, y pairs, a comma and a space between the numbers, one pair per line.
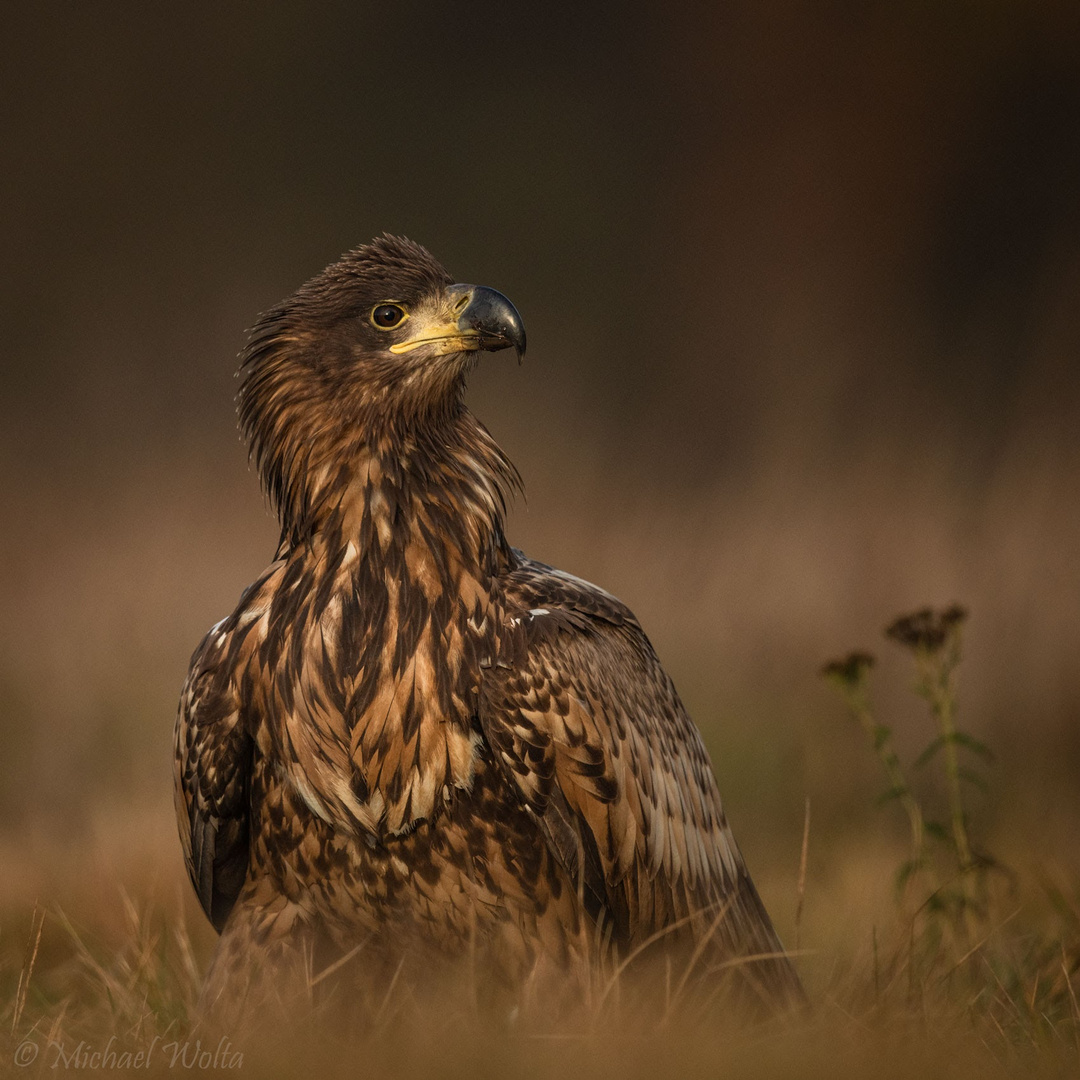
926, 629
851, 670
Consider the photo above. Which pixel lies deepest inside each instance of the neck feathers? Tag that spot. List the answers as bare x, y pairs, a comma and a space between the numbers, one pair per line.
363, 457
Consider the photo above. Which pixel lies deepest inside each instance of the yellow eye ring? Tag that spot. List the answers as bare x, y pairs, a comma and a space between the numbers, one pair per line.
387, 315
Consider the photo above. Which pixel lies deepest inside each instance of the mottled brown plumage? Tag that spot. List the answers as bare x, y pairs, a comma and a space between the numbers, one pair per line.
409, 738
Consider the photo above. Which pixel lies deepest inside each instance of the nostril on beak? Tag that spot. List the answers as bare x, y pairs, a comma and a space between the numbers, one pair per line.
462, 303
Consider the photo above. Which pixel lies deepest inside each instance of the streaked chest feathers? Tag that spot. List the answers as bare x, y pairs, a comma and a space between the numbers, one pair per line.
375, 631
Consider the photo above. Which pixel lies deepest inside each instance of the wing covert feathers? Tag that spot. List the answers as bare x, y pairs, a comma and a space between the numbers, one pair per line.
584, 720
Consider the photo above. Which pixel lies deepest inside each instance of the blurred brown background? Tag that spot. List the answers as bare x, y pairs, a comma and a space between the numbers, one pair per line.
802, 288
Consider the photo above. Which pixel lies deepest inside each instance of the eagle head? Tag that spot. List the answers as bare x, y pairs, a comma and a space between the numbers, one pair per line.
375, 349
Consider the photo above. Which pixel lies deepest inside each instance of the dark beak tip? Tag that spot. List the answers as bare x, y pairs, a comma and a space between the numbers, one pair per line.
515, 336
493, 314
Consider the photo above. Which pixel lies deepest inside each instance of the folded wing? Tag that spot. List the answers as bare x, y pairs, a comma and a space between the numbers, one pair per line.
584, 720
212, 772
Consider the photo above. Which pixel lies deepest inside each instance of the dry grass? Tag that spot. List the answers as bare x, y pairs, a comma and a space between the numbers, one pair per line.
892, 992
882, 1007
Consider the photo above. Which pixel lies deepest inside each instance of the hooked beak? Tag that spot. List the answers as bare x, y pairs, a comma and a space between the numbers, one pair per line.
479, 318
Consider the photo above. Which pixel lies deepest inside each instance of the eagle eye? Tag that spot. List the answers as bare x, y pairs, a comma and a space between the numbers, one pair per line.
387, 316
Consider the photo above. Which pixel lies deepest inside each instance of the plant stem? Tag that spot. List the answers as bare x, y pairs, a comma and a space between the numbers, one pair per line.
860, 707
937, 683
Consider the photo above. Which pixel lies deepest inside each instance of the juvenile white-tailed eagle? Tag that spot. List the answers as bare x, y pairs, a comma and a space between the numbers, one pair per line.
410, 739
